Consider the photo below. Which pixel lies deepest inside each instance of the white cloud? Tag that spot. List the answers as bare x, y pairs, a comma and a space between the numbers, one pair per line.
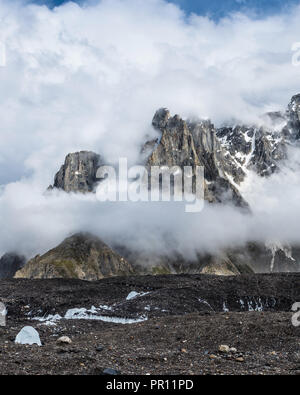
92, 77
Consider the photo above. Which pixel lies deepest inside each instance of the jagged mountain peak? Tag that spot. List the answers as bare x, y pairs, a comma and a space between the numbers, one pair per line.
193, 143
292, 129
78, 173
227, 153
161, 118
295, 101
236, 149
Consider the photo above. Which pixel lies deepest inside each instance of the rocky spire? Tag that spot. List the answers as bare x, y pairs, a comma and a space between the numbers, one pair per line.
293, 114
185, 143
161, 118
78, 173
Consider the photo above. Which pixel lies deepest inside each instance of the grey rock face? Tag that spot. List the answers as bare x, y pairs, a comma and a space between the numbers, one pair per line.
261, 149
176, 146
161, 118
293, 115
250, 148
270, 149
10, 264
78, 173
188, 143
237, 142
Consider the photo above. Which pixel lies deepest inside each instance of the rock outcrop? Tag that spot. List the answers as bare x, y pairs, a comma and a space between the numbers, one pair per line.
78, 173
188, 143
292, 128
260, 149
10, 264
82, 256
250, 148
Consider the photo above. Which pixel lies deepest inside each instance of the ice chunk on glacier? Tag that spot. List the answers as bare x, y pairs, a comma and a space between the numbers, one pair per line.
28, 335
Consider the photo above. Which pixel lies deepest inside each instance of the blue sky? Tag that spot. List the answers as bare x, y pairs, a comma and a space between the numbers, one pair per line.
216, 8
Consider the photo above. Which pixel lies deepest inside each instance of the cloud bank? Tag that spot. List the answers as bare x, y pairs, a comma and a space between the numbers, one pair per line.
91, 78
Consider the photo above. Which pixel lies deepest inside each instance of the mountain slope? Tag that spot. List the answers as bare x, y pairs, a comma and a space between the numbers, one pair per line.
82, 256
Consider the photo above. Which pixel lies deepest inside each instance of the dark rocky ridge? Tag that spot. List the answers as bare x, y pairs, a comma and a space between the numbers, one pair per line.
84, 256
218, 264
251, 258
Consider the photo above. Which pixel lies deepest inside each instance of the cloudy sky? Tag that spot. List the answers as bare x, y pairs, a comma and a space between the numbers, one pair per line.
90, 76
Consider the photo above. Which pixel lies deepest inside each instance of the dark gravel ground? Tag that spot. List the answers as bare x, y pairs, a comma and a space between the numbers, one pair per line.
185, 327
